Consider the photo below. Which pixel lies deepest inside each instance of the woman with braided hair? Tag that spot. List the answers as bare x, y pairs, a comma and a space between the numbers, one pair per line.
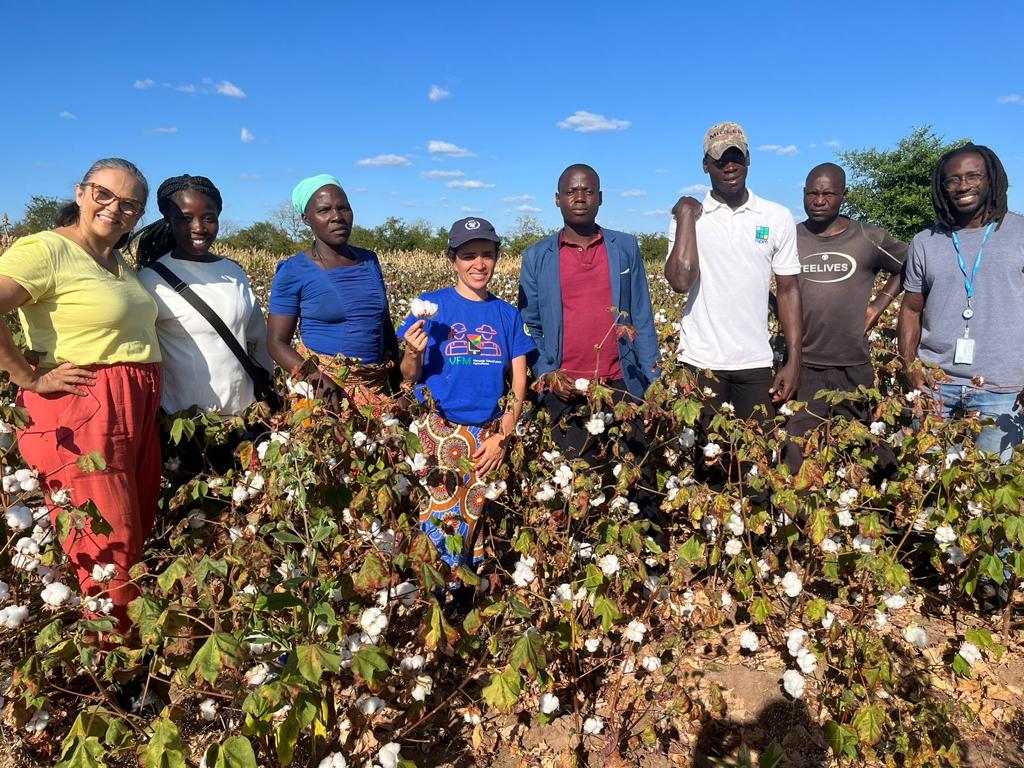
199, 367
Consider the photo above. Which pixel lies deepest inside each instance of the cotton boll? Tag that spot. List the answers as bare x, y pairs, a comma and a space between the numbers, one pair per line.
13, 616
793, 683
389, 755
18, 517
593, 726
373, 621
370, 705
549, 703
651, 663
38, 721
56, 594
970, 653
916, 636
807, 661
795, 641
422, 687
635, 631
609, 564
712, 450
791, 584
333, 760
208, 710
749, 641
257, 675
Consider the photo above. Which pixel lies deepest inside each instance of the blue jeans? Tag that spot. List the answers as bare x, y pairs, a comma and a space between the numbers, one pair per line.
1001, 408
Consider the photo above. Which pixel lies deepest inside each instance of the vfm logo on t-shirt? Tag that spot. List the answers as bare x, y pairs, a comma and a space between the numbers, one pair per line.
827, 267
463, 345
761, 234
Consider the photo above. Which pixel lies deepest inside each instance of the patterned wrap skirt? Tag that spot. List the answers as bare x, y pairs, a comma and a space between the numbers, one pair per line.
457, 495
367, 385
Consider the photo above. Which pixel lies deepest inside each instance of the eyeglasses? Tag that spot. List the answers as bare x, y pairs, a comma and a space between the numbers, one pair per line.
103, 196
973, 179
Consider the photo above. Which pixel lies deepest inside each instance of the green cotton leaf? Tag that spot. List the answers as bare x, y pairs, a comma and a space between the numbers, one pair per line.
437, 632
175, 572
91, 462
819, 523
371, 664
374, 575
49, 636
118, 734
278, 601
868, 723
502, 692
165, 749
85, 752
528, 653
220, 650
993, 567
841, 739
206, 567
310, 661
691, 551
235, 752
302, 713
260, 706
960, 666
760, 609
815, 610
145, 613
980, 637
606, 610
772, 756
90, 723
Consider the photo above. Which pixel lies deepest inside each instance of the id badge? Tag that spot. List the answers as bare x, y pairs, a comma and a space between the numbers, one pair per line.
963, 352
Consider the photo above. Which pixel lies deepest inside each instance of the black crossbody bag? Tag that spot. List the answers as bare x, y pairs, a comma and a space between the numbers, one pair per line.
262, 379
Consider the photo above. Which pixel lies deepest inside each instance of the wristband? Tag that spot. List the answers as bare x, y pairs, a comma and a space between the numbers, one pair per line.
891, 297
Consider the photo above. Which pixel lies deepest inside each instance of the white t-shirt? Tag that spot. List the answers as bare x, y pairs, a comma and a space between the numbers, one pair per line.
725, 322
198, 367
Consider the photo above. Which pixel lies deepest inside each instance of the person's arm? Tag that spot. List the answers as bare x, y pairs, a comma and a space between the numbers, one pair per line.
791, 315
66, 377
256, 336
892, 288
642, 318
491, 452
683, 265
908, 335
280, 329
416, 340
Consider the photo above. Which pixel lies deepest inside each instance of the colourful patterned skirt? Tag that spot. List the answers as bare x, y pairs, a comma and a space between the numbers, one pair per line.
365, 384
456, 494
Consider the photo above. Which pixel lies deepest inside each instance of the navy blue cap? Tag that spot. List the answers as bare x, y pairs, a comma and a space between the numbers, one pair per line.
471, 228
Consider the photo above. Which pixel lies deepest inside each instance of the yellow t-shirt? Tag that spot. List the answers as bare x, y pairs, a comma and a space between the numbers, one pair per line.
79, 312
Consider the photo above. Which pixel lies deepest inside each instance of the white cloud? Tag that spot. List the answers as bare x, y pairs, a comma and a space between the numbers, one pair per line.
517, 198
524, 208
168, 129
412, 204
249, 177
183, 87
656, 212
695, 189
469, 184
778, 149
633, 193
437, 93
447, 148
143, 85
65, 115
833, 143
587, 122
227, 88
467, 209
1011, 98
379, 160
247, 136
441, 174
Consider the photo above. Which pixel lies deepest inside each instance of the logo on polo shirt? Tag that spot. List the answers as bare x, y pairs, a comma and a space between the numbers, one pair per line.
761, 234
827, 267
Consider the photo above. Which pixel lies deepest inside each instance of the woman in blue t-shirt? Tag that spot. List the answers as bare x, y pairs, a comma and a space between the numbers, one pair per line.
334, 293
460, 343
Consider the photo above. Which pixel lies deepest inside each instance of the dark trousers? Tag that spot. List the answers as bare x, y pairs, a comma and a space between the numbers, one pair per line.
746, 390
818, 411
568, 430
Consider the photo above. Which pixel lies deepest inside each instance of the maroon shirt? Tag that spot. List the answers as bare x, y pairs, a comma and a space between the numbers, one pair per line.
587, 319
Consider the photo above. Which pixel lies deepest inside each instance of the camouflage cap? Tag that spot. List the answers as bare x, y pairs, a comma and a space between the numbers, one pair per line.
722, 136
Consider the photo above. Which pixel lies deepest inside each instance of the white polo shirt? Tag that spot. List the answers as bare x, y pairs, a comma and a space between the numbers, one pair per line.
725, 322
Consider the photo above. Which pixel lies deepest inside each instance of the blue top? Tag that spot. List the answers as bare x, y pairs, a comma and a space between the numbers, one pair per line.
472, 344
341, 311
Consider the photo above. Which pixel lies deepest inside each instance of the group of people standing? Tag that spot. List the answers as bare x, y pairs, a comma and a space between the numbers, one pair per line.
112, 345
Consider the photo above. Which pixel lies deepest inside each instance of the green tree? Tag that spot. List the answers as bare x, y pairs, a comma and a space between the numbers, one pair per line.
893, 188
527, 231
653, 248
40, 215
263, 236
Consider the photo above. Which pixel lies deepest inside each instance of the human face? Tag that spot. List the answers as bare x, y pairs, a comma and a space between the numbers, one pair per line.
968, 192
474, 265
106, 222
823, 197
578, 197
329, 215
728, 173
194, 223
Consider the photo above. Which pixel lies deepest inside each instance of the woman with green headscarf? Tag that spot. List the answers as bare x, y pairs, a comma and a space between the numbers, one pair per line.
334, 294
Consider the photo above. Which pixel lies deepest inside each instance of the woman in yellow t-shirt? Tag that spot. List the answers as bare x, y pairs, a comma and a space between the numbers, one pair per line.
96, 383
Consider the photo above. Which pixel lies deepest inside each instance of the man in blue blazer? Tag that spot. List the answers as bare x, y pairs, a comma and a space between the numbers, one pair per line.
582, 294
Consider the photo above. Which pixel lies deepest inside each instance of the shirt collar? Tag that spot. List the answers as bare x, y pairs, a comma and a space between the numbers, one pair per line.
753, 203
596, 239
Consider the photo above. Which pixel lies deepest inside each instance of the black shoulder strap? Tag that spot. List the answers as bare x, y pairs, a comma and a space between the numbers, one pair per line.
204, 309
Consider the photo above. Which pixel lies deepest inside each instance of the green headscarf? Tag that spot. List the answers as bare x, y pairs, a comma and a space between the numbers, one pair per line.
306, 188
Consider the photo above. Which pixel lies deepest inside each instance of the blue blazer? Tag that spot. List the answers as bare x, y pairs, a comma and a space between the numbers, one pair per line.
540, 303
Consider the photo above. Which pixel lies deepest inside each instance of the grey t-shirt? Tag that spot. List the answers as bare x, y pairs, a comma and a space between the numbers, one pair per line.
836, 277
998, 322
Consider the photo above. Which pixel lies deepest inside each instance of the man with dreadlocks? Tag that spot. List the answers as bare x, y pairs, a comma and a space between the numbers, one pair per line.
174, 259
962, 314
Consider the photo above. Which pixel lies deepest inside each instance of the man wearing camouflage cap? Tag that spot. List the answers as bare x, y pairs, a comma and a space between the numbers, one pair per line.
722, 253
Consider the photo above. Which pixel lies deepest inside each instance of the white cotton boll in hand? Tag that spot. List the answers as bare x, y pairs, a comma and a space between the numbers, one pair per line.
793, 683
593, 726
56, 594
208, 709
373, 621
390, 754
609, 564
13, 616
18, 517
711, 450
370, 705
916, 636
421, 308
749, 641
635, 631
549, 703
333, 760
651, 663
791, 584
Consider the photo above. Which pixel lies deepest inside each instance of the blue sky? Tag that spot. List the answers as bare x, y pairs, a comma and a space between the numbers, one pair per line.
436, 110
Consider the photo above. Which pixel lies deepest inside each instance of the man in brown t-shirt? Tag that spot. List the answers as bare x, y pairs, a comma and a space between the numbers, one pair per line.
839, 260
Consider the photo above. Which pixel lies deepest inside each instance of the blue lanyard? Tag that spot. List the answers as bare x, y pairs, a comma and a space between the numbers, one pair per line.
969, 281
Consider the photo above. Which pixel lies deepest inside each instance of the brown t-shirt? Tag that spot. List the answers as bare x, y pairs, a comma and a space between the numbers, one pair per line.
837, 275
